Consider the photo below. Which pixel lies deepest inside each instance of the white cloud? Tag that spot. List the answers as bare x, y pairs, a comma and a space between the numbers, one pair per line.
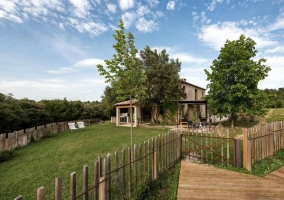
89, 63
204, 18
93, 28
7, 5
126, 4
63, 70
187, 58
15, 18
212, 6
279, 49
81, 8
128, 18
152, 3
215, 35
279, 24
146, 26
275, 62
111, 7
80, 89
143, 10
168, 49
171, 5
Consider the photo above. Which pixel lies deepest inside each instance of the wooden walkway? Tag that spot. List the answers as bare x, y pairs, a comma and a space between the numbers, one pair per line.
200, 181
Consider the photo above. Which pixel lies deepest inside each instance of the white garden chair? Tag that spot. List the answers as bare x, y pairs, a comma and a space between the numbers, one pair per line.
72, 126
81, 125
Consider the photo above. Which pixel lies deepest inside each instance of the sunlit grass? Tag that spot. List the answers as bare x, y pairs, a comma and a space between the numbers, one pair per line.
38, 164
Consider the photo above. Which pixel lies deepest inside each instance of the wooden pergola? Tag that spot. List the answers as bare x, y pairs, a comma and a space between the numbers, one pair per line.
127, 117
191, 102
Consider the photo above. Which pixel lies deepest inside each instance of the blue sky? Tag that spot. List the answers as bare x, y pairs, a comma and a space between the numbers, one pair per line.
49, 49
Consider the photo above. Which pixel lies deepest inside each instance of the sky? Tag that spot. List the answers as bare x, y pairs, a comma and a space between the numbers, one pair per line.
49, 49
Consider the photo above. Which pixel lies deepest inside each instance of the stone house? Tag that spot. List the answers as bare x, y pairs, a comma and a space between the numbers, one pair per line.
193, 96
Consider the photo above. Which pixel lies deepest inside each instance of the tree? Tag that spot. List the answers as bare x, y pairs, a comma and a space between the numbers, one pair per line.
234, 78
108, 101
124, 71
35, 114
161, 80
11, 114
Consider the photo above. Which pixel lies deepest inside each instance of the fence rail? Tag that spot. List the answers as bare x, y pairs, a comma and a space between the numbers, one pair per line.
262, 141
23, 137
124, 175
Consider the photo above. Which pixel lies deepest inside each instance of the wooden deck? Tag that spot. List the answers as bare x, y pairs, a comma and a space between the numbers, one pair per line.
200, 181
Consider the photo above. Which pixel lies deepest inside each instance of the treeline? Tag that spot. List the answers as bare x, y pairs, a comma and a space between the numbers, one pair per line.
24, 113
276, 98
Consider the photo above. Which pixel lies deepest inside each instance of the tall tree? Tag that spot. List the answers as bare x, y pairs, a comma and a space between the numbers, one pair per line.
124, 71
234, 78
162, 80
11, 114
108, 101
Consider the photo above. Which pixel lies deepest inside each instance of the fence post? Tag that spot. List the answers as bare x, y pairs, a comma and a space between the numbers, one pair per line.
108, 177
96, 179
73, 185
58, 189
40, 193
85, 182
246, 150
102, 188
19, 197
238, 152
155, 165
123, 172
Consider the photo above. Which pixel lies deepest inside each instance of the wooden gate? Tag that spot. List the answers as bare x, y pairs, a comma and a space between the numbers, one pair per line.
207, 147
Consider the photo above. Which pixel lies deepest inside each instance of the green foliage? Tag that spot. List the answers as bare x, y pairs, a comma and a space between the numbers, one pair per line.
195, 118
108, 101
124, 71
34, 112
234, 78
165, 187
276, 98
263, 167
162, 82
22, 114
6, 154
11, 114
32, 139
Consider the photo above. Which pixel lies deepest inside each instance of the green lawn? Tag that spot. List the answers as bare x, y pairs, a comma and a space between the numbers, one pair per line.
39, 163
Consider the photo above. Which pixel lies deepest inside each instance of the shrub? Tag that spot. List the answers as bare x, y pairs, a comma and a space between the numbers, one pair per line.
6, 154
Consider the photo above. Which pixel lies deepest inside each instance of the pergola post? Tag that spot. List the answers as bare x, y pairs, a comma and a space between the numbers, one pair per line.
117, 116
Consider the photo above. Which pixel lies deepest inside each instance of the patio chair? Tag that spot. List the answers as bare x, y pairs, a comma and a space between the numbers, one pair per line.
72, 126
81, 125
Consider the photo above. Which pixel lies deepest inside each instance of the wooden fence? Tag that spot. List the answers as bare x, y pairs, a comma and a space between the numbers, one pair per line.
123, 175
23, 137
262, 141
209, 147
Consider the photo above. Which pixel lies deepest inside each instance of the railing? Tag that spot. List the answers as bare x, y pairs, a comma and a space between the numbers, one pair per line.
125, 175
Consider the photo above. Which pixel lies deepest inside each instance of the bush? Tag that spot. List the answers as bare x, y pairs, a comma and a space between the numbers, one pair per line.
6, 155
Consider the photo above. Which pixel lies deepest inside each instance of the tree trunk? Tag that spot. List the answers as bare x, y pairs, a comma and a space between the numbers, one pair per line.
232, 123
131, 121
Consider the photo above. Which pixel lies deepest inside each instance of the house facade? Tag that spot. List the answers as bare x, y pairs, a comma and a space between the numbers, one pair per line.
192, 93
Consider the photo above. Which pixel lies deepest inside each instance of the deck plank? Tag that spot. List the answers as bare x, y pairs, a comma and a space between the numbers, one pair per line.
200, 181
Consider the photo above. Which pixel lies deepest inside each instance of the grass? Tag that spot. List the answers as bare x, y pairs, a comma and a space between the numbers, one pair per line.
165, 187
39, 163
277, 115
261, 168
268, 164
